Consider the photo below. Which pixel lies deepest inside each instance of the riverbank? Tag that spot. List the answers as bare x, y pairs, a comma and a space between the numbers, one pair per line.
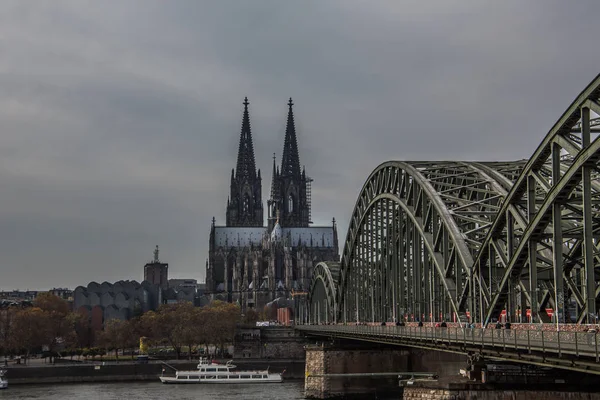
131, 371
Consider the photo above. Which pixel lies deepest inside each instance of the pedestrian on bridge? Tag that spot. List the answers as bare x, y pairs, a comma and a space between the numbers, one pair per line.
498, 328
591, 336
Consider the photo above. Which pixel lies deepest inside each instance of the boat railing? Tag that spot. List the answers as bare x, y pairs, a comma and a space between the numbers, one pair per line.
203, 361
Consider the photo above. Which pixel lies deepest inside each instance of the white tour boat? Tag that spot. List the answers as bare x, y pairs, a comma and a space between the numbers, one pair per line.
212, 372
3, 381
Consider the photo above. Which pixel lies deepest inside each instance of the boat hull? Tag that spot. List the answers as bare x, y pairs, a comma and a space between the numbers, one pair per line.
3, 385
175, 380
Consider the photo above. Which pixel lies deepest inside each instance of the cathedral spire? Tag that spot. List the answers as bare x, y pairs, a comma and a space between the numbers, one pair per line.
274, 179
290, 162
245, 207
246, 166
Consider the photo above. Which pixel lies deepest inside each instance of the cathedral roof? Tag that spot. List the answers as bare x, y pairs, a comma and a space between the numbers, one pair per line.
314, 236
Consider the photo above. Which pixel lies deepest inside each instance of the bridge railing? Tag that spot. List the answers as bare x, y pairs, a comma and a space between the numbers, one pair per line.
551, 342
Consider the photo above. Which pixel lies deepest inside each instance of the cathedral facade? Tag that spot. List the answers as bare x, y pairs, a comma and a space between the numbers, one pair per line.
253, 264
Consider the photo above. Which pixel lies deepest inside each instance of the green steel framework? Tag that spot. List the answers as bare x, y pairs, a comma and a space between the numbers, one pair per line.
439, 240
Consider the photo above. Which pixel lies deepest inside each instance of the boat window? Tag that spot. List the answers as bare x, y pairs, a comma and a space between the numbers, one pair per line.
182, 377
222, 369
194, 377
245, 376
209, 377
211, 369
234, 376
256, 376
265, 376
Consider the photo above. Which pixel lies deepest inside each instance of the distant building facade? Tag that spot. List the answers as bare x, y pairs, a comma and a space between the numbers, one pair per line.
121, 300
268, 342
63, 293
253, 264
19, 295
156, 272
183, 284
126, 299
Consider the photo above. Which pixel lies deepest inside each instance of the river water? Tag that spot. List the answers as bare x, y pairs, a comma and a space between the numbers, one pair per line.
155, 390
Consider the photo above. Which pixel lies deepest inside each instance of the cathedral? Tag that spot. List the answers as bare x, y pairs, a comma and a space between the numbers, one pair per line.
252, 264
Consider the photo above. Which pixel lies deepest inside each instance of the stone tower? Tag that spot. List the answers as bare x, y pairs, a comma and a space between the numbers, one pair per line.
289, 185
244, 206
156, 272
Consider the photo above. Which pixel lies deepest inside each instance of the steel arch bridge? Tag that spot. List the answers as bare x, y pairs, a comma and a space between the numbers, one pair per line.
452, 240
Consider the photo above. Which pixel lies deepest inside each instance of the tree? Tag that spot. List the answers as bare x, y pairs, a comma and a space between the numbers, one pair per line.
111, 337
84, 334
251, 317
30, 330
59, 322
193, 331
223, 317
170, 323
183, 325
7, 316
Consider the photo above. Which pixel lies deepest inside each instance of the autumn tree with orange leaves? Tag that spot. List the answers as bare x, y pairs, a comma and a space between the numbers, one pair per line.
49, 323
182, 325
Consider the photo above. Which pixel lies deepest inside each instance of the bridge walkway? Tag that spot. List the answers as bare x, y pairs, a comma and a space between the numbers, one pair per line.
577, 351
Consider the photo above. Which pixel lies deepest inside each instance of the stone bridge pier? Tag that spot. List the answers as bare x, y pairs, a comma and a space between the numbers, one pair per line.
335, 370
341, 369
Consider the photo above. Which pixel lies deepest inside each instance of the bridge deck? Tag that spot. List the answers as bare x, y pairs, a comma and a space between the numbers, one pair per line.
576, 351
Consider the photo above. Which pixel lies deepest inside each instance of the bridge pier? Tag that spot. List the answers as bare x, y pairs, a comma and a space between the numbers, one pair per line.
344, 368
335, 370
338, 369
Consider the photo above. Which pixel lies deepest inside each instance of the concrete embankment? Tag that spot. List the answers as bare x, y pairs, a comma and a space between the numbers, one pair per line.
498, 391
131, 371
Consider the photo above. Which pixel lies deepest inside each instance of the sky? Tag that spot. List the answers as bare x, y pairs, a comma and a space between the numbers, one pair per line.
119, 120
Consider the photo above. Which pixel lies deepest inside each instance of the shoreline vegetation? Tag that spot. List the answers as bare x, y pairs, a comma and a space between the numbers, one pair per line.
49, 329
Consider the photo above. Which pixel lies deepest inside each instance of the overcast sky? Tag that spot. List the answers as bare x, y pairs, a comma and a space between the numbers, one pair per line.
120, 120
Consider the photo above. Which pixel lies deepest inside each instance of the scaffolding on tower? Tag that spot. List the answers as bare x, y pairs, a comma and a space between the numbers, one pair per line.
308, 197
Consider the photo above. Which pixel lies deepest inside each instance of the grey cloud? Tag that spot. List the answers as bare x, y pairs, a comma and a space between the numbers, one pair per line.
120, 120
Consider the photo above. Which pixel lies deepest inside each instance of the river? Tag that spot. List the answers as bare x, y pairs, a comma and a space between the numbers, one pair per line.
155, 390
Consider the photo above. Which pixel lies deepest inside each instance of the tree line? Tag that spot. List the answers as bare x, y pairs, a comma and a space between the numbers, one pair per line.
50, 325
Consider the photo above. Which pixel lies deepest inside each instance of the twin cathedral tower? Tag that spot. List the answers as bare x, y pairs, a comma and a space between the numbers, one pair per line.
252, 264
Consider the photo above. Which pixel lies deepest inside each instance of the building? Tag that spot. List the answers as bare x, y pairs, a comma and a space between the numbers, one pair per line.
156, 272
19, 295
269, 342
63, 293
125, 299
121, 300
253, 264
183, 284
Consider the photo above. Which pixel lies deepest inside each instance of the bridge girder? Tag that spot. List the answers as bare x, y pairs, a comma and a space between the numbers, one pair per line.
414, 232
437, 239
550, 221
322, 293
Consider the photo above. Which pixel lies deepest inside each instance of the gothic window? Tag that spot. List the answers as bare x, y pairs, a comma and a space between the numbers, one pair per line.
291, 203
246, 204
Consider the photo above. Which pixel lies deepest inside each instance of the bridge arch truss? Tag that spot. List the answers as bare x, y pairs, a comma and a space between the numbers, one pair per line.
323, 292
435, 240
413, 236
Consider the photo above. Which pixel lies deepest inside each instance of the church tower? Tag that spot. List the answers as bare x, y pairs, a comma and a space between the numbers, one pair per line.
244, 206
290, 186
